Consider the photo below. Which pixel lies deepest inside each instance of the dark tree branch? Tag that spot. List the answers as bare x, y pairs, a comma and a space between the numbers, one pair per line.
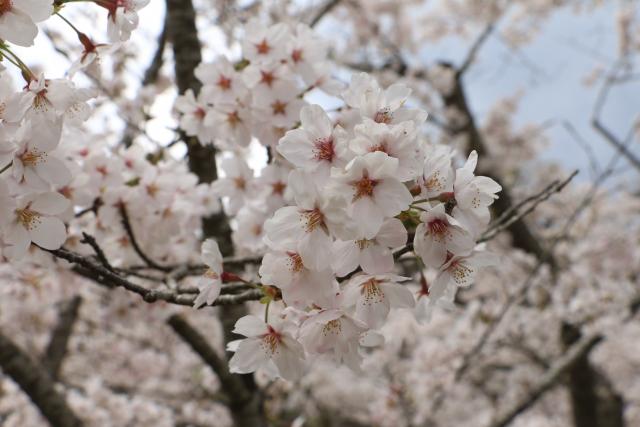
126, 223
550, 378
100, 274
57, 348
475, 48
37, 384
323, 11
594, 402
153, 71
243, 403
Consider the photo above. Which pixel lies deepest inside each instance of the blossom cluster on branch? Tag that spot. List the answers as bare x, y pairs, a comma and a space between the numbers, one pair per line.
337, 203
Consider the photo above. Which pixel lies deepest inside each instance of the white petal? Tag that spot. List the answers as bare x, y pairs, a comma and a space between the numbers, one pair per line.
54, 171
376, 259
48, 232
50, 203
250, 326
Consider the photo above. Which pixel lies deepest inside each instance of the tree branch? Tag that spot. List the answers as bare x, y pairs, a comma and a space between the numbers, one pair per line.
134, 242
240, 398
57, 348
547, 381
104, 276
37, 384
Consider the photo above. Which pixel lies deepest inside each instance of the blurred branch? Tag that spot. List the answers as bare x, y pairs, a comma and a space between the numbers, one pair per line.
324, 10
126, 223
240, 398
611, 79
547, 381
36, 383
57, 348
475, 48
513, 213
153, 71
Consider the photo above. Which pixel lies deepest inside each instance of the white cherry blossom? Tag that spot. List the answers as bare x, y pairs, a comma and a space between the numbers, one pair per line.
372, 190
268, 347
439, 234
210, 284
373, 255
18, 19
317, 145
375, 295
34, 220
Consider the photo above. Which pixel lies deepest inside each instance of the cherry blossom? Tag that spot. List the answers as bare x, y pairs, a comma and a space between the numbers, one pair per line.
439, 235
268, 346
317, 146
375, 295
210, 283
370, 185
34, 220
373, 255
18, 19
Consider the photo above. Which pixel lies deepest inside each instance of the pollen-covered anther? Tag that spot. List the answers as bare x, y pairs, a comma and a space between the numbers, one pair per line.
372, 292
271, 341
313, 219
32, 157
333, 327
28, 218
460, 272
324, 149
364, 243
434, 182
383, 116
438, 228
364, 187
294, 263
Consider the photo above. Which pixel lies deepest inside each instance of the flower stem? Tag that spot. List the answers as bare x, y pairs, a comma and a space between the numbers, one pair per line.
266, 312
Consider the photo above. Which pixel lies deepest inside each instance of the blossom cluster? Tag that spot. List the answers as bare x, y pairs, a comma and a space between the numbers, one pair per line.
336, 205
36, 180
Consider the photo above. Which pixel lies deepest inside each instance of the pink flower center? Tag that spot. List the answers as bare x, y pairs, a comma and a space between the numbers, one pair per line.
279, 107
438, 226
296, 55
263, 47
200, 113
324, 150
267, 78
32, 157
240, 183
234, 119
5, 6
364, 187
278, 187
383, 116
380, 147
224, 83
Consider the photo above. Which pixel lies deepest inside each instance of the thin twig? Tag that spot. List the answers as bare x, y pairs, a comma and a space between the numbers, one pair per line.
547, 381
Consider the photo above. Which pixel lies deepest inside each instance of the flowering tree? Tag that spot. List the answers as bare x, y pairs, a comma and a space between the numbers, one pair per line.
332, 214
